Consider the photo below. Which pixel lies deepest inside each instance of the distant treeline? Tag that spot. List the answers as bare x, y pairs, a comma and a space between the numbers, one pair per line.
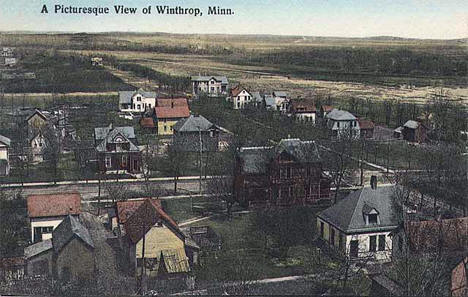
346, 63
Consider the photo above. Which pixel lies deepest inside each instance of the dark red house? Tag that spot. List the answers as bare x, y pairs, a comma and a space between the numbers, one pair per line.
289, 173
116, 150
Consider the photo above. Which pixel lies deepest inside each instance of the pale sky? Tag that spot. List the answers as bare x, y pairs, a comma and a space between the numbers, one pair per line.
439, 19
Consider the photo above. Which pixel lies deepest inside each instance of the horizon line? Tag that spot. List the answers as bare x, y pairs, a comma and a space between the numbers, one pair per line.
234, 34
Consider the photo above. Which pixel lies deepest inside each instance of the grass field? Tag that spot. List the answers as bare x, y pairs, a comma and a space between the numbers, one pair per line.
373, 68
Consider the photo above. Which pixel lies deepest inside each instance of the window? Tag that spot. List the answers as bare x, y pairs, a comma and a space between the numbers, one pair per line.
165, 128
341, 243
322, 226
138, 106
124, 161
212, 89
108, 161
372, 218
338, 124
372, 243
381, 242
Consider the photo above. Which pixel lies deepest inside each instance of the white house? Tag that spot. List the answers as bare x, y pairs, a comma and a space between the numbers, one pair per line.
360, 225
37, 145
136, 101
276, 103
240, 97
342, 123
5, 143
47, 211
211, 85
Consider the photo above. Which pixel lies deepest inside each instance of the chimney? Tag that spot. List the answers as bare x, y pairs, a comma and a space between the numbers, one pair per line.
373, 182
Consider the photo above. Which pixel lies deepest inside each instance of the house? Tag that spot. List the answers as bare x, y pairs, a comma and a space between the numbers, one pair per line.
324, 110
69, 255
289, 173
136, 101
7, 51
276, 103
449, 236
168, 112
280, 94
155, 241
303, 110
37, 144
196, 133
5, 143
459, 279
11, 269
366, 128
38, 258
96, 61
210, 85
47, 211
257, 99
342, 123
147, 124
359, 226
240, 97
73, 250
414, 131
117, 150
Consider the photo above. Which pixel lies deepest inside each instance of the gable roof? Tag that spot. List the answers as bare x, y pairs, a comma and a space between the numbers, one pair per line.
126, 96
70, 227
298, 106
237, 90
348, 214
51, 205
5, 140
163, 112
255, 159
125, 209
37, 248
144, 218
280, 94
108, 135
449, 234
194, 123
45, 115
169, 102
366, 124
222, 79
147, 122
340, 115
411, 124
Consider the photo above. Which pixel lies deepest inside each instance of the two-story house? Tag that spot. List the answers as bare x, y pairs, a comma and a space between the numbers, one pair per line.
210, 85
289, 173
47, 211
360, 226
168, 112
196, 133
303, 110
240, 97
277, 101
342, 123
117, 150
5, 143
136, 101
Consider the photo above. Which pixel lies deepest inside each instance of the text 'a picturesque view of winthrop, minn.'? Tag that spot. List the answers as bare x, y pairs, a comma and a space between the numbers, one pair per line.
162, 148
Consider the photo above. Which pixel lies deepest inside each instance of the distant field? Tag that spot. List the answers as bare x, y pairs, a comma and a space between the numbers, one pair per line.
372, 68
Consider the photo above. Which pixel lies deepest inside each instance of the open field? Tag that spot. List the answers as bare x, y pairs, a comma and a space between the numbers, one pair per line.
370, 68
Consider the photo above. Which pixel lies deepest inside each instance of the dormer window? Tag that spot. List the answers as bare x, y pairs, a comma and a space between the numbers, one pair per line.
373, 218
371, 215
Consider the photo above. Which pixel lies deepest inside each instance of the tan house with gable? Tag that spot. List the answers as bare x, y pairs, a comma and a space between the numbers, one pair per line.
210, 85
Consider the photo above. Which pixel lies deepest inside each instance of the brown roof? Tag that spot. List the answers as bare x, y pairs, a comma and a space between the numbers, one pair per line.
52, 205
298, 106
327, 108
145, 217
450, 234
172, 108
168, 102
236, 90
126, 208
9, 263
366, 124
147, 122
